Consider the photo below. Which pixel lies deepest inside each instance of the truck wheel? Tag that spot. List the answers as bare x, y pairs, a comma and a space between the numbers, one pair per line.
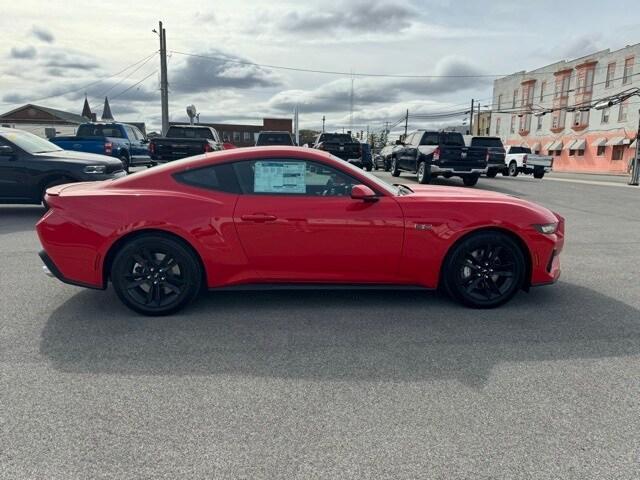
538, 173
492, 173
124, 158
513, 169
424, 173
395, 172
369, 168
386, 166
470, 180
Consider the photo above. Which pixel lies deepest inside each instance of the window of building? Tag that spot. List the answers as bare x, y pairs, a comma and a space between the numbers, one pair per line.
512, 129
605, 115
588, 80
498, 126
611, 71
628, 70
601, 150
572, 153
618, 152
623, 110
247, 136
236, 136
499, 101
543, 86
225, 137
539, 125
557, 153
515, 98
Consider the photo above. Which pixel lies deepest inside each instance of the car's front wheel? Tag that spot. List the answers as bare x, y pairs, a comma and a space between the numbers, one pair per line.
155, 274
395, 171
485, 270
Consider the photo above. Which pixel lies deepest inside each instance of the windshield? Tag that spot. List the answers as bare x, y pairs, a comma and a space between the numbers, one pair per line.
492, 142
189, 132
336, 137
274, 139
30, 143
99, 131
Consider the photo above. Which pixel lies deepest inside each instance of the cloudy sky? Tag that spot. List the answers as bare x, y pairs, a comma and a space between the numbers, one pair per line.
54, 52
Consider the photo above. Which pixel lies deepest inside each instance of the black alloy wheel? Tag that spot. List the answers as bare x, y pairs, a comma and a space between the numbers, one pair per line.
395, 172
485, 270
156, 275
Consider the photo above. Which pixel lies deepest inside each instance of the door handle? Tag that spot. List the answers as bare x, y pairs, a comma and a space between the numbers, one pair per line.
259, 218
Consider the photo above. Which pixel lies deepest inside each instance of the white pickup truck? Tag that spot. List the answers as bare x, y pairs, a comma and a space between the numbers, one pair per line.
521, 160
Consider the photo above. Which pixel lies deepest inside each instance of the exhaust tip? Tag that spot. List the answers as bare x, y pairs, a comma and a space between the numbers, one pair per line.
47, 272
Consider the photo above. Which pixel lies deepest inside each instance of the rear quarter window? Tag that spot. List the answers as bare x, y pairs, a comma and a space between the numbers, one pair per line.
219, 178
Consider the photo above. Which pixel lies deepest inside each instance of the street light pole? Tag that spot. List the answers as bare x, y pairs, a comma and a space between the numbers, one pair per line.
164, 83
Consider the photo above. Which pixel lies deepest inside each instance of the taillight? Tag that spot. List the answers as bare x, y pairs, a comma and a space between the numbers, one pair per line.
524, 159
152, 148
487, 157
436, 153
108, 148
207, 148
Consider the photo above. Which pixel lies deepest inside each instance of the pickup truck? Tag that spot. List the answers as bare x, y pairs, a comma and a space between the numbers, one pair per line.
521, 160
274, 138
494, 151
430, 154
118, 140
184, 141
341, 145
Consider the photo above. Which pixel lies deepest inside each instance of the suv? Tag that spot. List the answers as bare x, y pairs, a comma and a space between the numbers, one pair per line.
430, 154
274, 138
495, 152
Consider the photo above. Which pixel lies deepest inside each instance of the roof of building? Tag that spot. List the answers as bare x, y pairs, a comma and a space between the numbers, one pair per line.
60, 114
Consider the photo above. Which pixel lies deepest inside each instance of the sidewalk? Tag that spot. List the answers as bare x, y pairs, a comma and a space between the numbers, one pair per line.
590, 177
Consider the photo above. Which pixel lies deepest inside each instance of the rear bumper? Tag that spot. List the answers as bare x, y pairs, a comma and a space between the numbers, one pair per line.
457, 170
50, 269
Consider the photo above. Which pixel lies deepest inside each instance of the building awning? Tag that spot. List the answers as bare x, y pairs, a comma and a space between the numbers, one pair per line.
535, 147
548, 146
615, 141
578, 144
633, 143
599, 142
557, 145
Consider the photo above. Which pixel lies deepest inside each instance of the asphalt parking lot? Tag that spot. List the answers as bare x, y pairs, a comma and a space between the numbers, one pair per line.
333, 384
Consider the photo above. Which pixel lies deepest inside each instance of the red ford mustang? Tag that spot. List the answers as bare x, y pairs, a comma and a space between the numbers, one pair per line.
287, 216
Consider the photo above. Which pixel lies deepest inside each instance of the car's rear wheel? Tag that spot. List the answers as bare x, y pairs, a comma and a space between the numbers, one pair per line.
368, 168
513, 169
156, 275
492, 173
126, 161
424, 173
395, 171
538, 174
485, 270
470, 180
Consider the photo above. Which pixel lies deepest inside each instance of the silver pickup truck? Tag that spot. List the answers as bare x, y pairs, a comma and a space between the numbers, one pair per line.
521, 160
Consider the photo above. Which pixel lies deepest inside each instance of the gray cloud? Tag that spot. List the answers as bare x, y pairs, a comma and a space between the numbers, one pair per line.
335, 96
42, 34
361, 16
220, 71
23, 53
70, 60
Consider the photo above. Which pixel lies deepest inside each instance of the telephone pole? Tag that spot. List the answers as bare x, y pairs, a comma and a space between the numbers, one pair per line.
406, 124
471, 118
480, 134
323, 118
164, 83
635, 165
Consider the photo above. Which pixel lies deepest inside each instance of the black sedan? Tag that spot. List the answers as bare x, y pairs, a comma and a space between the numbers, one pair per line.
30, 164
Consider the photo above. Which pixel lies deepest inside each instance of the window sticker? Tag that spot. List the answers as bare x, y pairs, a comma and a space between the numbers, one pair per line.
279, 177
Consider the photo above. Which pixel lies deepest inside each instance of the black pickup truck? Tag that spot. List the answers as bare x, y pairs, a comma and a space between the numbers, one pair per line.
184, 141
430, 154
494, 151
341, 145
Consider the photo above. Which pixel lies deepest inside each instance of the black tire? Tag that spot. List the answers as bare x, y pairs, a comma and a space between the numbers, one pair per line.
395, 171
155, 274
492, 173
513, 169
470, 180
368, 168
505, 172
386, 166
124, 158
485, 270
423, 173
538, 174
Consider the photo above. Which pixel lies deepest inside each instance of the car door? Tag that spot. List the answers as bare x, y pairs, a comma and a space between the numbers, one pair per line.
297, 222
138, 148
407, 157
14, 175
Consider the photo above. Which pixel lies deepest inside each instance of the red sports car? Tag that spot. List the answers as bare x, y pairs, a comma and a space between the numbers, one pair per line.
291, 217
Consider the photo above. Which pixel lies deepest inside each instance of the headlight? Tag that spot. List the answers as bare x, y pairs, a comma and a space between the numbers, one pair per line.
95, 169
547, 228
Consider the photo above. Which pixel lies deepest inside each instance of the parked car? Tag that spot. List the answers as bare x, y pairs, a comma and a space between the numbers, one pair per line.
341, 145
378, 162
494, 151
430, 154
521, 160
387, 154
30, 164
288, 215
184, 141
367, 158
114, 139
274, 138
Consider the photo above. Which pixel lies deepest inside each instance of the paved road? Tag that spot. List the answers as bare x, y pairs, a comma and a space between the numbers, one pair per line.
332, 385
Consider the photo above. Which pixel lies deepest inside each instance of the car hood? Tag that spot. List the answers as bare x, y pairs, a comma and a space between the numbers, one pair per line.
80, 157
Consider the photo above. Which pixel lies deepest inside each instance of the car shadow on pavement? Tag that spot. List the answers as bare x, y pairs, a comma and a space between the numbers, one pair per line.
345, 335
15, 219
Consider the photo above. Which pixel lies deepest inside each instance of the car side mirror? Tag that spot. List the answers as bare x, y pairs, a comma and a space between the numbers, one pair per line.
364, 193
6, 151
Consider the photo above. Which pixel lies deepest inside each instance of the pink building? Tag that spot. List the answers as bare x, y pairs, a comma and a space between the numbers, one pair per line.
581, 140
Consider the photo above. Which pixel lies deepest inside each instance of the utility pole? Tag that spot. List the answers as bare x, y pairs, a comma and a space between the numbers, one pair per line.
323, 123
164, 83
406, 124
480, 134
471, 118
635, 168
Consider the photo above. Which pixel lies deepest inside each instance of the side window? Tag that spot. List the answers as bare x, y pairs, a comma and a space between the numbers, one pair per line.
130, 133
214, 177
292, 177
139, 135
